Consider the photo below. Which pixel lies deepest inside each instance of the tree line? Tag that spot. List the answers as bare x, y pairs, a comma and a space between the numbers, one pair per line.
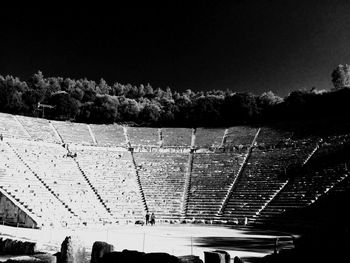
88, 101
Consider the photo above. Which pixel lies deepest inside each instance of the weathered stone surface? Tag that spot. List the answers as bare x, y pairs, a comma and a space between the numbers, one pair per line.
132, 255
16, 247
237, 260
159, 258
7, 247
128, 256
190, 259
214, 257
72, 251
46, 257
99, 249
112, 257
24, 259
225, 254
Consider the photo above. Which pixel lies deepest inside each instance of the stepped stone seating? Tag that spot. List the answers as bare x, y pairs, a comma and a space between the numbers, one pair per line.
62, 175
303, 190
77, 133
331, 145
39, 129
211, 177
180, 137
20, 183
239, 135
270, 136
262, 178
10, 128
162, 177
209, 138
143, 136
112, 173
109, 135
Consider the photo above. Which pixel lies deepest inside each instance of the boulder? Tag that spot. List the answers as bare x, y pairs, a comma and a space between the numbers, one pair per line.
132, 255
58, 256
7, 249
23, 259
214, 257
72, 251
237, 260
190, 259
159, 258
29, 248
100, 248
225, 254
46, 257
112, 257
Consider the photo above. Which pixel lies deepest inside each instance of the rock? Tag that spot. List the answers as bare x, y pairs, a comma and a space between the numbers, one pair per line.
7, 249
100, 248
225, 254
190, 259
23, 259
159, 258
29, 248
132, 255
46, 257
214, 257
237, 260
72, 251
58, 256
112, 257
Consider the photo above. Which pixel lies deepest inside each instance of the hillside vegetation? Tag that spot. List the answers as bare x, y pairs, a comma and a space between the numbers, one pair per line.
84, 100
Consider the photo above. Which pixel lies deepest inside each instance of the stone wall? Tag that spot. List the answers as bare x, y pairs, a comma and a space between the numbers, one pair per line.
11, 214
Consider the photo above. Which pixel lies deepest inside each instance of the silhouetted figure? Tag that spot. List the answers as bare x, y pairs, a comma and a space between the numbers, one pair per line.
153, 219
147, 218
276, 245
1, 137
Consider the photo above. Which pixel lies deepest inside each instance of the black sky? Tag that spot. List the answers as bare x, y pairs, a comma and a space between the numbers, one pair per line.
242, 45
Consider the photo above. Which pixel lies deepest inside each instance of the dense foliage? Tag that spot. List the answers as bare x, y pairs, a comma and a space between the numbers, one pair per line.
87, 101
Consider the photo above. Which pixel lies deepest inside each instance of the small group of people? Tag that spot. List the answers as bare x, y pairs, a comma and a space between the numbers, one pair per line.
150, 219
70, 154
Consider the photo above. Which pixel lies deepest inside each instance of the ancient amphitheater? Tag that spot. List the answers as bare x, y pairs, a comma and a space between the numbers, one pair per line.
55, 173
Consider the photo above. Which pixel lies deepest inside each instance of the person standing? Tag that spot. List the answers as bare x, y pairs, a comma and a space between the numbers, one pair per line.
147, 218
153, 219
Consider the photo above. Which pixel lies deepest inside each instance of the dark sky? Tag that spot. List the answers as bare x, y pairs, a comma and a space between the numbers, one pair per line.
242, 45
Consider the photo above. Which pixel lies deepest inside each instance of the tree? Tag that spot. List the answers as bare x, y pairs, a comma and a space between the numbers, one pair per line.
207, 110
150, 113
104, 109
239, 108
148, 91
103, 87
129, 109
65, 106
341, 76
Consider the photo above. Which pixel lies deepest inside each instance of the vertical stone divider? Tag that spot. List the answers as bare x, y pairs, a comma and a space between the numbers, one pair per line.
40, 179
21, 125
187, 186
91, 134
223, 139
58, 136
138, 180
238, 175
160, 133
94, 190
137, 175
